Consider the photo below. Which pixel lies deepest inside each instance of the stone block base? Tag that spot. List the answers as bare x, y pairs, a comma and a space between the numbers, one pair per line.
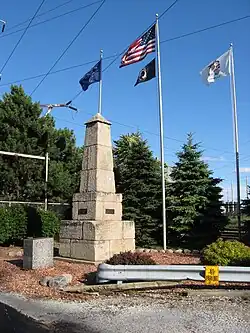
96, 241
38, 253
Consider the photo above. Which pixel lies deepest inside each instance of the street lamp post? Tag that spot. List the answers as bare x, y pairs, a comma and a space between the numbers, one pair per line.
49, 109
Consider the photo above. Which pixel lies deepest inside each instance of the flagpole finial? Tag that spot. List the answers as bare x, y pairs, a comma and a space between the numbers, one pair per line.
156, 15
101, 53
231, 44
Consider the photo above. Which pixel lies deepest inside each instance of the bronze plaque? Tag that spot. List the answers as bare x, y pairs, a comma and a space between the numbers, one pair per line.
110, 211
82, 211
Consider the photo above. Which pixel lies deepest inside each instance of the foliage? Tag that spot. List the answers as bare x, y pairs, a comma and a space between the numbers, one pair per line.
50, 223
19, 222
138, 179
130, 258
65, 166
13, 225
226, 253
22, 130
194, 199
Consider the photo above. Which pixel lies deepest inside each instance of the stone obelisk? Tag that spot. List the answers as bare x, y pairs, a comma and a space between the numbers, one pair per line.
96, 231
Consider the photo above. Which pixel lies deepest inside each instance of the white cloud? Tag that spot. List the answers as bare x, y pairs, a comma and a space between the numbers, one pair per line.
213, 159
245, 170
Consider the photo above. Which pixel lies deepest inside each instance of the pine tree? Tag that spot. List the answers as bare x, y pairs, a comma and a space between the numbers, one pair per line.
22, 130
194, 202
138, 179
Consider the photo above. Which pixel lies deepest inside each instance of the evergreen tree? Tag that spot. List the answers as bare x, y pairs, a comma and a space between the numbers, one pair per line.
22, 130
138, 179
194, 202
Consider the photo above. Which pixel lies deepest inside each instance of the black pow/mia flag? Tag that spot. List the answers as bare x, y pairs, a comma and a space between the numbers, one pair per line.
147, 73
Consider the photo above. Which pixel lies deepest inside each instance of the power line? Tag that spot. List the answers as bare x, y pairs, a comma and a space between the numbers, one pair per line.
119, 54
42, 14
52, 18
20, 39
70, 44
167, 9
206, 29
54, 72
148, 132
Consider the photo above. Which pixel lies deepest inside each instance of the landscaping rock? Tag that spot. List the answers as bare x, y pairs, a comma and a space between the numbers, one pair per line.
169, 251
147, 251
196, 252
162, 251
178, 251
154, 251
140, 250
45, 281
60, 281
187, 251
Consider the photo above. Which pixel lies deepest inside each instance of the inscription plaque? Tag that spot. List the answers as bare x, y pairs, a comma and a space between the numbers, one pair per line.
110, 211
82, 211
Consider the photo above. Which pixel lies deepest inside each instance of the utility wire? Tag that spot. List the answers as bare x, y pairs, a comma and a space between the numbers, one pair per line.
52, 18
54, 72
148, 132
119, 54
70, 44
42, 14
115, 55
20, 39
165, 12
206, 29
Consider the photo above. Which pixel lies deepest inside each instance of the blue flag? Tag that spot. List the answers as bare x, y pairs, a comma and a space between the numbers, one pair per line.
94, 75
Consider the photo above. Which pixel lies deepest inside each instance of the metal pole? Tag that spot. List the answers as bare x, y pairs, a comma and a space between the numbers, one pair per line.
236, 138
100, 85
246, 188
46, 180
232, 193
161, 136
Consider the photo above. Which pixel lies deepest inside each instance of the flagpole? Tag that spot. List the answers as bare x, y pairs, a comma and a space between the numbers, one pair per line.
100, 85
236, 138
161, 135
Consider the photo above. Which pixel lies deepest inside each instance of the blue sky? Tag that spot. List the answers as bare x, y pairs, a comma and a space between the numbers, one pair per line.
188, 105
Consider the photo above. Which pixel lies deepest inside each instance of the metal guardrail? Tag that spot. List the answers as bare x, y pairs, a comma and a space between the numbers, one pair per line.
120, 273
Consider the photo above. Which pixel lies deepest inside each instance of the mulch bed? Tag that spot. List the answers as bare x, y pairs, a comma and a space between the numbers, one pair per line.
14, 279
175, 259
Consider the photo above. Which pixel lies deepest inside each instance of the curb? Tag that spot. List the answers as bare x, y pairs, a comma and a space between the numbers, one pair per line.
120, 287
187, 290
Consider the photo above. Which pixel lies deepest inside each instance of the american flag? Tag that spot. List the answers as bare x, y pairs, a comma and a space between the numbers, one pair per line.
138, 50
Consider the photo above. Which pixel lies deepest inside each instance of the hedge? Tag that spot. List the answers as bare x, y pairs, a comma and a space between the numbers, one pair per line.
19, 222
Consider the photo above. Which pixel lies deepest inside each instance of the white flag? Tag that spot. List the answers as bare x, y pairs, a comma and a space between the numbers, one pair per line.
217, 68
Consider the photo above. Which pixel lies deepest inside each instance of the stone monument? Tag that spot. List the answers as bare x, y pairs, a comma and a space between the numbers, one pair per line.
38, 253
96, 231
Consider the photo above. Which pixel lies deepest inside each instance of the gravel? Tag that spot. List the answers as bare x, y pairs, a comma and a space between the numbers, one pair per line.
148, 312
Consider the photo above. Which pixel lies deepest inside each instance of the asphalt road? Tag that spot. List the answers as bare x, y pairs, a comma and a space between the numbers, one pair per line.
154, 313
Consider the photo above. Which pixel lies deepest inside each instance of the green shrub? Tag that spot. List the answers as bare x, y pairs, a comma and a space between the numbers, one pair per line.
130, 258
20, 221
50, 223
226, 253
13, 225
5, 225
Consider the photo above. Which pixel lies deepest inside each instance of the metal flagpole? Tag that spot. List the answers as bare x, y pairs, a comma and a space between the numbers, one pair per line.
236, 138
100, 85
46, 180
161, 136
246, 188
